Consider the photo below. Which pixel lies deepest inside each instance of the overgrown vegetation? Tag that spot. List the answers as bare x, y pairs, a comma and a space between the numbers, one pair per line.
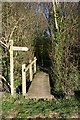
66, 47
19, 107
22, 24
57, 51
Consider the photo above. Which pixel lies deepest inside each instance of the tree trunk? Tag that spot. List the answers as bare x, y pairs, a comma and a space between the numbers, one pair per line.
54, 8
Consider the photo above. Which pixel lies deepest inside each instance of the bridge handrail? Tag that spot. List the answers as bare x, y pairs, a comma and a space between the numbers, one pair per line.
31, 72
31, 63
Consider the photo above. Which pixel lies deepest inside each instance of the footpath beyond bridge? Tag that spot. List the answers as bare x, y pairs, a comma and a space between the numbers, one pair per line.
40, 86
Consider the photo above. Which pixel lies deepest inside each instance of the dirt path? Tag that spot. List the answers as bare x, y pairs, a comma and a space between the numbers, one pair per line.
40, 87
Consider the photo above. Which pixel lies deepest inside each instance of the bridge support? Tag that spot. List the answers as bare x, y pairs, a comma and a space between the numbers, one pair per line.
30, 71
23, 80
35, 65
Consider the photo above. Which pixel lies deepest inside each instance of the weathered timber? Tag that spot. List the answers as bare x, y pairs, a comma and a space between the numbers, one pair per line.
13, 48
31, 72
20, 48
11, 67
40, 87
23, 80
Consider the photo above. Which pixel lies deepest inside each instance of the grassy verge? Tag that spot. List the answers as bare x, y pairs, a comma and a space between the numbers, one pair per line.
19, 107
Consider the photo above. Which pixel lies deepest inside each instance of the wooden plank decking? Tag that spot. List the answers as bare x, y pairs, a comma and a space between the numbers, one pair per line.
40, 87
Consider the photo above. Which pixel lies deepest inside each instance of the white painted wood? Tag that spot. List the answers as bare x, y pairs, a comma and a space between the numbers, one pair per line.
35, 64
23, 80
30, 71
27, 68
34, 61
20, 48
11, 67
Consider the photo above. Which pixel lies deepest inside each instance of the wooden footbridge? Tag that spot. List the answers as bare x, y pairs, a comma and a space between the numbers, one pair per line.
40, 86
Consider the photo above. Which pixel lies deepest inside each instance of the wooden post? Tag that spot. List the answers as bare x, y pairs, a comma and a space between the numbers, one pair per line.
34, 64
23, 80
11, 67
12, 48
30, 71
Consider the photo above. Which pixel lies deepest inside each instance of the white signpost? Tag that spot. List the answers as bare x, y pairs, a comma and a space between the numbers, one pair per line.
20, 48
13, 48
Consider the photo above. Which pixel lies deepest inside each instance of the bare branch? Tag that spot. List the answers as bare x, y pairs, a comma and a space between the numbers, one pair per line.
2, 77
12, 32
3, 44
10, 36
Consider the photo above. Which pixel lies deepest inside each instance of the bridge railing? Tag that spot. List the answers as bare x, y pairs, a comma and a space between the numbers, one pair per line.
32, 70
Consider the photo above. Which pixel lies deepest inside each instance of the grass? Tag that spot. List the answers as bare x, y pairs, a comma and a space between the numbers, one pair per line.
58, 108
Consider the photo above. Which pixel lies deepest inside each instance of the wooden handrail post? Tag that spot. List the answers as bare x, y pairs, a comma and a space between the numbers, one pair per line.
23, 80
35, 65
11, 67
30, 71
